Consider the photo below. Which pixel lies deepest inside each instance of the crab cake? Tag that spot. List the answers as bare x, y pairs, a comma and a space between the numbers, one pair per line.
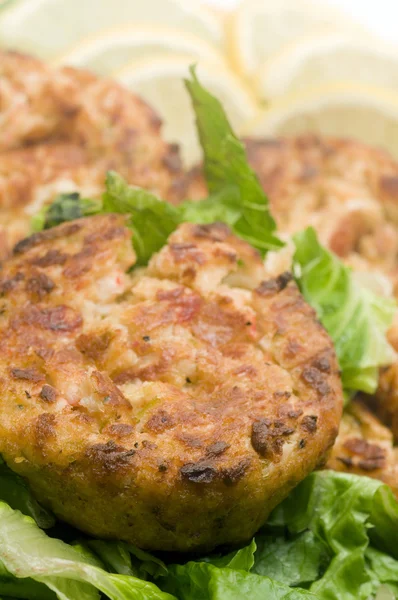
172, 408
62, 130
364, 446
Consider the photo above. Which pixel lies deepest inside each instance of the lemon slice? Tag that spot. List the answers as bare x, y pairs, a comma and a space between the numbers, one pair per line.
111, 50
260, 28
369, 114
325, 59
49, 27
4, 3
159, 80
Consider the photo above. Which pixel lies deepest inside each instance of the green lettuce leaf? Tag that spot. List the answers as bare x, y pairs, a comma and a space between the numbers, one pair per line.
226, 166
15, 492
126, 559
204, 581
228, 584
356, 319
72, 573
384, 569
65, 207
296, 560
115, 556
347, 514
150, 219
225, 578
242, 559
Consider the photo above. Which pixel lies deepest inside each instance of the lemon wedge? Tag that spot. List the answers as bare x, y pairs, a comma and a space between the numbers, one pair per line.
369, 114
260, 28
112, 49
49, 27
159, 80
326, 59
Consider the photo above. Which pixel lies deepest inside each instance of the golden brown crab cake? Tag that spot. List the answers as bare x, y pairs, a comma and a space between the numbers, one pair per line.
364, 446
174, 407
62, 130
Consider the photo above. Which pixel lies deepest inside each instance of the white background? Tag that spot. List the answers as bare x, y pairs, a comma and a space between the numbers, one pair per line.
379, 15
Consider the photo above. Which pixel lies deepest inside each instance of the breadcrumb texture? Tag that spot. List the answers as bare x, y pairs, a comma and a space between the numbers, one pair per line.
173, 407
62, 130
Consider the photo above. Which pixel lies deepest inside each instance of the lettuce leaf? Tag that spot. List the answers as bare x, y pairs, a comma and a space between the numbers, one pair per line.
115, 556
15, 492
356, 319
204, 581
73, 574
150, 219
65, 207
296, 560
126, 559
242, 559
385, 568
226, 166
346, 514
226, 578
227, 584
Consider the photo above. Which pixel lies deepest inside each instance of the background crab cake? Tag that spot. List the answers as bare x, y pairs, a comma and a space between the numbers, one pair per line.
193, 388
62, 130
364, 446
349, 192
385, 404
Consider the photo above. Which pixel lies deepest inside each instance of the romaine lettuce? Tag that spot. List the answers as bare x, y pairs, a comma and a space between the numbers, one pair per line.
347, 515
226, 168
26, 552
15, 492
356, 318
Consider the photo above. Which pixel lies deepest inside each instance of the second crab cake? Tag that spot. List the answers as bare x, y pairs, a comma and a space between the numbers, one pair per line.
173, 407
62, 130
